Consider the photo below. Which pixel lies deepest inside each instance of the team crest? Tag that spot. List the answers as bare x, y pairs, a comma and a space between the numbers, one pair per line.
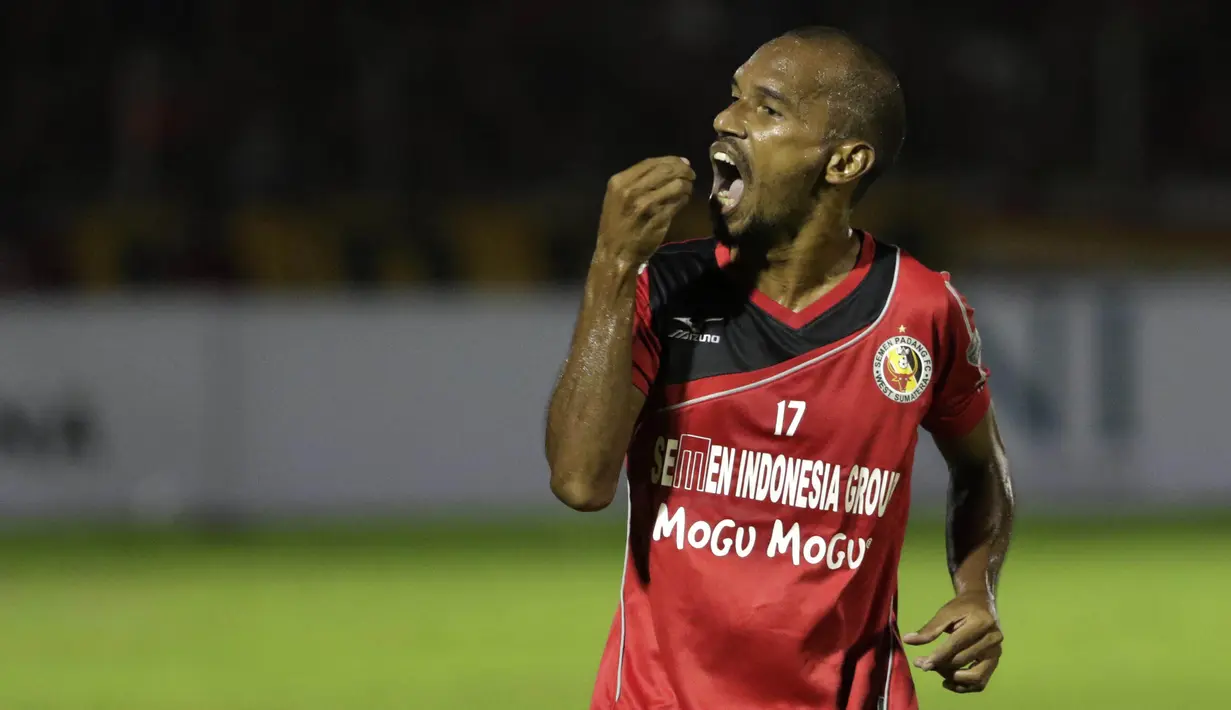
902, 368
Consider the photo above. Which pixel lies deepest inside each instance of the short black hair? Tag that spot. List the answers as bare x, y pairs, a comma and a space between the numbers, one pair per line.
865, 100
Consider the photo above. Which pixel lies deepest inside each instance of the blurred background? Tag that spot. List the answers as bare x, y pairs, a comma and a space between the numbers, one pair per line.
286, 286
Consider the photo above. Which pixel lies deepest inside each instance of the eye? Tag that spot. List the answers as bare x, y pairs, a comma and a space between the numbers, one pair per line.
769, 111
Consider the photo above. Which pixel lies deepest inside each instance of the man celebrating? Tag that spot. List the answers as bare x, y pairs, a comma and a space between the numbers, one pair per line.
779, 375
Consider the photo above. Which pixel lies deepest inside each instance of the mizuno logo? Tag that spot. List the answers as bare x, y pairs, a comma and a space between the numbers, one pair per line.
693, 328
689, 335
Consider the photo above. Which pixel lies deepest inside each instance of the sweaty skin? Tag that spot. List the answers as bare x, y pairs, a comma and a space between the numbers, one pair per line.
978, 527
797, 137
595, 406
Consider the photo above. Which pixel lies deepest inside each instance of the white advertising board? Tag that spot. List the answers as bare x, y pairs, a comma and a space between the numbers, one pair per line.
1109, 395
105, 407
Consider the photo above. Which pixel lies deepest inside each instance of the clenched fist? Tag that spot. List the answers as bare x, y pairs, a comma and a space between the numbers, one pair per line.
639, 207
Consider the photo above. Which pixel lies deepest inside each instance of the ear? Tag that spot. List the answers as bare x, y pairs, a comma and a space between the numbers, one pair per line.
849, 161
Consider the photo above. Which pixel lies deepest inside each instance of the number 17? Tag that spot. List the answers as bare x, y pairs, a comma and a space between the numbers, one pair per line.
799, 408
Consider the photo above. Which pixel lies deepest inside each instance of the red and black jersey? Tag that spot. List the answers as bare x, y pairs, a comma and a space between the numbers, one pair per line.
769, 482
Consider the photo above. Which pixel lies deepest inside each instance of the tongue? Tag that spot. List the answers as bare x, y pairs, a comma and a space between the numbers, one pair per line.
736, 190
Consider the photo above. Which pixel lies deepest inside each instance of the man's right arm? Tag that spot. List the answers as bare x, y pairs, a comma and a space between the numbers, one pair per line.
595, 405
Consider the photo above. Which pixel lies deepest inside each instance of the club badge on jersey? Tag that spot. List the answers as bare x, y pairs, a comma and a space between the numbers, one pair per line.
902, 368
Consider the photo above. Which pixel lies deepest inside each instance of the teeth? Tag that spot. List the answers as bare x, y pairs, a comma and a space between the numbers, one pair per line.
723, 158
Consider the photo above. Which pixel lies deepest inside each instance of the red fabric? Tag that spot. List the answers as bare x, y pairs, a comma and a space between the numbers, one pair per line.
646, 348
962, 398
762, 564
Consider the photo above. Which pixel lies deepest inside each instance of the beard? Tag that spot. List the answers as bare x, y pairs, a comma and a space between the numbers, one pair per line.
721, 232
754, 238
754, 231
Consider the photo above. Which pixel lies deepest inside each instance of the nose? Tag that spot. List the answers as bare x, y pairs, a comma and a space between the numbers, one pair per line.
728, 122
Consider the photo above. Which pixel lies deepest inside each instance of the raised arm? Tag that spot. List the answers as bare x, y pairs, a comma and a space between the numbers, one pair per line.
601, 388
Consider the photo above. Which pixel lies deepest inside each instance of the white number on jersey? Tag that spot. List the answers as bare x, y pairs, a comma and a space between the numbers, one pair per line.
799, 408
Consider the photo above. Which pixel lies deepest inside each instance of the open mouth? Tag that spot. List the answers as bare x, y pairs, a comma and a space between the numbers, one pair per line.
728, 177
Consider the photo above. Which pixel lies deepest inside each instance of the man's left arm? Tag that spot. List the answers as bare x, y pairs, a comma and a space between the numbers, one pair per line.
980, 511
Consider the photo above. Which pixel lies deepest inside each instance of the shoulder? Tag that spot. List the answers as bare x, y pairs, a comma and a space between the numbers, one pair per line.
952, 317
926, 287
680, 267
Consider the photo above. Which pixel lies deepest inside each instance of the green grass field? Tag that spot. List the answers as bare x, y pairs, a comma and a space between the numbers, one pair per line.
462, 617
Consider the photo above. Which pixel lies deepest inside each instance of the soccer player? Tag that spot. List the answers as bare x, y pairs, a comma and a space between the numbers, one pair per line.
766, 387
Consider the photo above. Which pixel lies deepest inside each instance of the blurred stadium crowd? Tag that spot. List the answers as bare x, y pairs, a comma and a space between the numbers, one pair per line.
330, 144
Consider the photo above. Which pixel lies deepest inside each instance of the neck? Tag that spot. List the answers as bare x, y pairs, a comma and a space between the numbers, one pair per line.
800, 268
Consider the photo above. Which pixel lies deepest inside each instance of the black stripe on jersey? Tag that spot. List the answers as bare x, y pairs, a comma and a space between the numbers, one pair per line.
708, 326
